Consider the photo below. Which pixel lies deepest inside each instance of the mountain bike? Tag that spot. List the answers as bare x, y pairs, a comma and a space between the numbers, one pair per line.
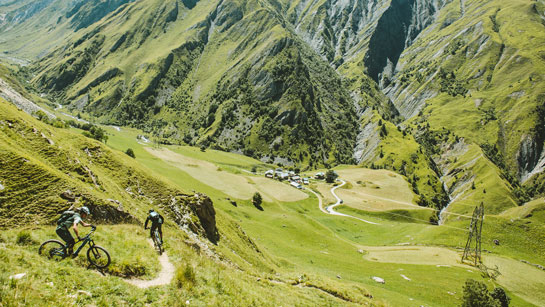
157, 241
56, 250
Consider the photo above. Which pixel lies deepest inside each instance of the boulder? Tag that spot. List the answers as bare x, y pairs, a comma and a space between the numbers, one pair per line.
17, 276
87, 293
68, 195
378, 279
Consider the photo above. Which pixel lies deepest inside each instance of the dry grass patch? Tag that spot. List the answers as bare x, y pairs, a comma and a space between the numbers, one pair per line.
236, 186
427, 255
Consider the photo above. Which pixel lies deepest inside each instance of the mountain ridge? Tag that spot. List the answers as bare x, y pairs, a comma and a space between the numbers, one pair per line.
266, 95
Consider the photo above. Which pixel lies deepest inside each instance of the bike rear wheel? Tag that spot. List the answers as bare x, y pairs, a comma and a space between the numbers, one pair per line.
53, 249
157, 242
98, 257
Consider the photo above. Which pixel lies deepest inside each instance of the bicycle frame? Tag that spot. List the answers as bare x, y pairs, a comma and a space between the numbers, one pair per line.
86, 240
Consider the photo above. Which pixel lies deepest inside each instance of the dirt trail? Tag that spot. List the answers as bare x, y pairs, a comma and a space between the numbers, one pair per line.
164, 277
329, 209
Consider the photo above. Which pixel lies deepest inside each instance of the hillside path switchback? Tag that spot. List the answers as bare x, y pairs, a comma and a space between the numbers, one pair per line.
329, 209
164, 277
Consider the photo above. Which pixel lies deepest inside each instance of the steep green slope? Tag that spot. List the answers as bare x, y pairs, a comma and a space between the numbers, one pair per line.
32, 29
188, 72
482, 62
45, 170
200, 79
44, 167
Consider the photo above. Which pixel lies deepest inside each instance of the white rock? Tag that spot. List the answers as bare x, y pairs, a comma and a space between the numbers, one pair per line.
2, 187
378, 279
84, 292
17, 276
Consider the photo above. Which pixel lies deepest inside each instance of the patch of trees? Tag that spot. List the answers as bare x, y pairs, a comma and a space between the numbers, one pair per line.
257, 200
450, 85
56, 122
331, 176
91, 131
476, 294
130, 153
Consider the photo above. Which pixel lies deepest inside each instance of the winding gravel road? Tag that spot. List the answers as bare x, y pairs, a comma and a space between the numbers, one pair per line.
329, 209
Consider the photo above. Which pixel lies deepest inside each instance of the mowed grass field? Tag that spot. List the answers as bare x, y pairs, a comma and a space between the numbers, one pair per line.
235, 185
303, 241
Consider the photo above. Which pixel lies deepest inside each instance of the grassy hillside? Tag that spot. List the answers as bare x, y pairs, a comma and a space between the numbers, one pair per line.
479, 78
47, 169
290, 247
201, 81
288, 232
32, 185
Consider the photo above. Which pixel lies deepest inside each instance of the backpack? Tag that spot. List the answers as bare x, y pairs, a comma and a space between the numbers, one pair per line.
156, 217
65, 216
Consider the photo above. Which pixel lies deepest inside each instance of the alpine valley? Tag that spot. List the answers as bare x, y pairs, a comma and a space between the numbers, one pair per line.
425, 109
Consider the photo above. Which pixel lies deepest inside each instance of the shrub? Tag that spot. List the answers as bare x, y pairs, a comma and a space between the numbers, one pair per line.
24, 238
185, 276
477, 295
330, 176
130, 153
129, 269
500, 295
257, 199
95, 132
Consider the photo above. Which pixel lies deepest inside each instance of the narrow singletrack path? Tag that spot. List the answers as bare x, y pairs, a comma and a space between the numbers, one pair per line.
164, 277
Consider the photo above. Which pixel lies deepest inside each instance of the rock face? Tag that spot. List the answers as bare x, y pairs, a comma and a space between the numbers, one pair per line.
202, 206
397, 29
85, 13
11, 95
106, 213
531, 157
337, 29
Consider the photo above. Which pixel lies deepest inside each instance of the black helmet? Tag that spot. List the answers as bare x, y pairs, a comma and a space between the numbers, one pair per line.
151, 210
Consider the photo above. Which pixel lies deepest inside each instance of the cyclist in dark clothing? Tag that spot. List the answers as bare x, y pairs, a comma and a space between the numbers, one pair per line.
71, 219
156, 222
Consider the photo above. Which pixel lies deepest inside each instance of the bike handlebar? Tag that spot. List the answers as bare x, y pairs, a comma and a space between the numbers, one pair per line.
93, 228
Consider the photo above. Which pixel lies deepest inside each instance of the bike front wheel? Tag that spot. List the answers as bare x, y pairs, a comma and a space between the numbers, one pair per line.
98, 257
53, 249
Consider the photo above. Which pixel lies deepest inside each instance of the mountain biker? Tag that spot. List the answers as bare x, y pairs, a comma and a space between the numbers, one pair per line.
156, 222
71, 219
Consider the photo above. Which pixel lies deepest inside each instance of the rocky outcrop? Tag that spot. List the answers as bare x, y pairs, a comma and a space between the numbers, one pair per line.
8, 93
368, 139
85, 13
397, 29
195, 213
530, 157
202, 206
23, 13
337, 30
